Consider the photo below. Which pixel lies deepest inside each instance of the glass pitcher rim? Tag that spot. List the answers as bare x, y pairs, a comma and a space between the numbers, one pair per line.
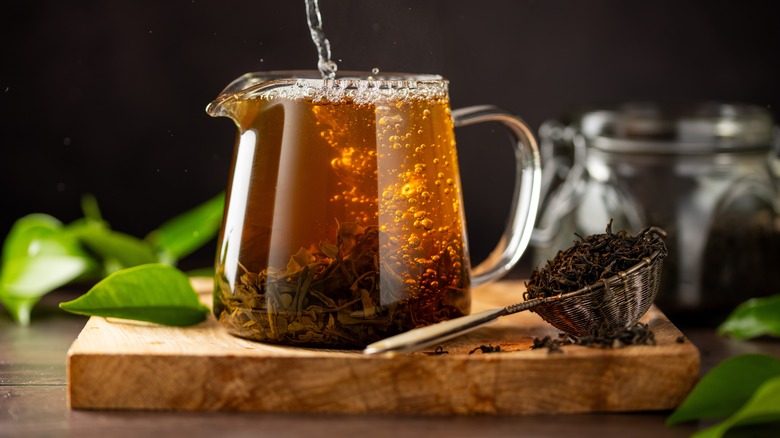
353, 86
260, 79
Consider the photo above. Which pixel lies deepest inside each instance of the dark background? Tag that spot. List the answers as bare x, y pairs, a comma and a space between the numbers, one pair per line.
108, 97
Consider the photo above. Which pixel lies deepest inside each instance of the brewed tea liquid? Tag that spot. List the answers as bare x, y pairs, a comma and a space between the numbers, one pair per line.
344, 222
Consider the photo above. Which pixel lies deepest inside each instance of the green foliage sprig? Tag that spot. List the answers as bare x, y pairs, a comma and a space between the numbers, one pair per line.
743, 391
41, 254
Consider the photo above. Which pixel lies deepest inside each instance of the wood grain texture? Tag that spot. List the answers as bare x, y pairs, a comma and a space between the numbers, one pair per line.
125, 365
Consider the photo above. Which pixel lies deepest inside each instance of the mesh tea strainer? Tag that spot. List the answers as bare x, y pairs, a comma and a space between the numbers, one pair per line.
616, 302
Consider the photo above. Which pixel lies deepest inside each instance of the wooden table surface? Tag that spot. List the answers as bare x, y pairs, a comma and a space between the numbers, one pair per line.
33, 386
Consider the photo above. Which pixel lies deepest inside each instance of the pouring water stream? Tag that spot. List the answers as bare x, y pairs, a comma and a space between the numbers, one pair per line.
326, 66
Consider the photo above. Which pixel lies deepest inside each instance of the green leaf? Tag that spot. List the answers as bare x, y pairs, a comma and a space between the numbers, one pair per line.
155, 293
25, 231
201, 272
726, 388
39, 255
29, 277
182, 235
90, 208
118, 249
20, 308
755, 317
762, 408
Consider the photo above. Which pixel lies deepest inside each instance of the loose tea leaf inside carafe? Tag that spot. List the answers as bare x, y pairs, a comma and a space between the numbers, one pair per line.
330, 296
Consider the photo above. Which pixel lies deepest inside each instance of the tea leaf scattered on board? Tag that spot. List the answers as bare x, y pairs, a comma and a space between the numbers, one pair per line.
755, 317
155, 293
726, 388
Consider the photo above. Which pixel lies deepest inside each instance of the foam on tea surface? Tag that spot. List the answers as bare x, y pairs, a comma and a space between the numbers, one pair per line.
370, 90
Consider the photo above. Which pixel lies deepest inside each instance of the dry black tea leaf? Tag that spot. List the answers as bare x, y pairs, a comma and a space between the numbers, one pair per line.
588, 261
639, 334
486, 349
437, 352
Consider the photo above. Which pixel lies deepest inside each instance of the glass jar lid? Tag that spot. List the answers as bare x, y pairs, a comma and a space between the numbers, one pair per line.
675, 127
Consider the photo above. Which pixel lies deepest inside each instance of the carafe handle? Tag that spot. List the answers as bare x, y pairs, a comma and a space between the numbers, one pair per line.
525, 201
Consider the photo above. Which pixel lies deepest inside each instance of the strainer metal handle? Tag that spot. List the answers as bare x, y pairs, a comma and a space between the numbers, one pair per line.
433, 334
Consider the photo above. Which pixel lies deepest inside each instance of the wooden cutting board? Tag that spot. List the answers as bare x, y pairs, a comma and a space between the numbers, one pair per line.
117, 364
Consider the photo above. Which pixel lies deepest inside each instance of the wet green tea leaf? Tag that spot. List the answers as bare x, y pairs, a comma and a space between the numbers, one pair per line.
189, 231
117, 249
201, 272
39, 255
31, 277
26, 230
90, 208
762, 408
755, 317
26, 280
726, 388
154, 293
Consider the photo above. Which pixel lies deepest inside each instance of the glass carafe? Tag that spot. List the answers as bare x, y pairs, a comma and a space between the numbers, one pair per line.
344, 220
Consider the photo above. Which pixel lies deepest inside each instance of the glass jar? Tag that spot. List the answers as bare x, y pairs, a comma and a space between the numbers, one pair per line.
706, 172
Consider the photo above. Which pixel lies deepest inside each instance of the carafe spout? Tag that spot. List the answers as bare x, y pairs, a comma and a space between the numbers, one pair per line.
221, 107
